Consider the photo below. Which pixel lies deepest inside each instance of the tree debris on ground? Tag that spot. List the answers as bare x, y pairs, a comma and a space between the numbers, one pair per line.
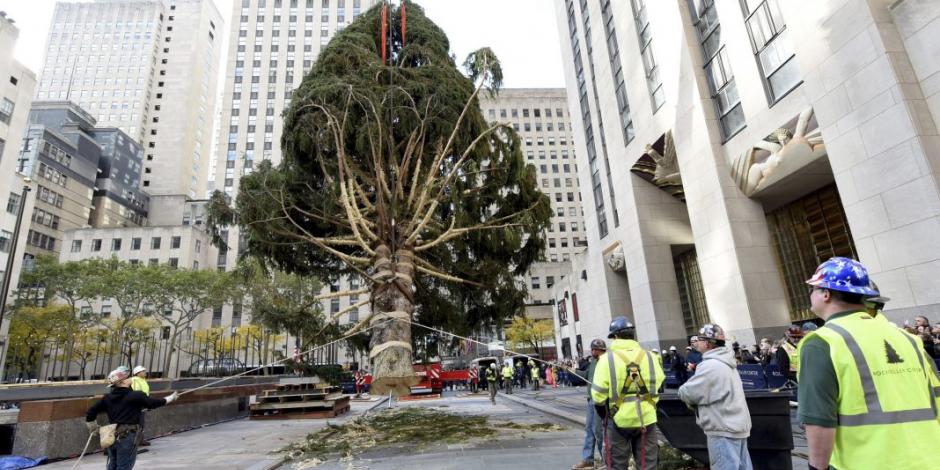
414, 427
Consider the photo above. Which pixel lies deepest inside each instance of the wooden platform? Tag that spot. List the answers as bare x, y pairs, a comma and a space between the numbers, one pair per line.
300, 401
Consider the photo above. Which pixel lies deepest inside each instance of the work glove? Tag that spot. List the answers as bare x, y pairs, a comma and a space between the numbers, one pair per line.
92, 426
172, 398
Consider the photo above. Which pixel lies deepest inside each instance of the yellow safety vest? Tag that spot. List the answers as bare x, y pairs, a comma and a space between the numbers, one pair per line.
507, 372
934, 376
887, 407
139, 384
633, 408
794, 353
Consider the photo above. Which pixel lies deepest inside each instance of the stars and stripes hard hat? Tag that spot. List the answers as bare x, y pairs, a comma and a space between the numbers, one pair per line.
844, 275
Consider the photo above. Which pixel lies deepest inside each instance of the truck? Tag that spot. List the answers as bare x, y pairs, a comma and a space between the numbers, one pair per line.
429, 376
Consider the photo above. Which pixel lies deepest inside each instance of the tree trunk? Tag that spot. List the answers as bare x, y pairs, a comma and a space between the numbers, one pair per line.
170, 349
392, 308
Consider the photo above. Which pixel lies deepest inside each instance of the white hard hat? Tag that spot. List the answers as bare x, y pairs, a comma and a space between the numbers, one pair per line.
493, 365
139, 369
672, 348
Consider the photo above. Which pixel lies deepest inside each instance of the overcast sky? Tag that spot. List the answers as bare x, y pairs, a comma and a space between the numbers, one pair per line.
522, 32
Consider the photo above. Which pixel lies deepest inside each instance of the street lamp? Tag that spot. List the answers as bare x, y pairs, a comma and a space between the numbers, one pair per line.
7, 275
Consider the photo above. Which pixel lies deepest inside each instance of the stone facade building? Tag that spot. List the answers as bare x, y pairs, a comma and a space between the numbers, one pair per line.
731, 146
131, 63
17, 84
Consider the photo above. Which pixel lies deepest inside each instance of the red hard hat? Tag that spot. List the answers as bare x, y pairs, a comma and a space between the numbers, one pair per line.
795, 331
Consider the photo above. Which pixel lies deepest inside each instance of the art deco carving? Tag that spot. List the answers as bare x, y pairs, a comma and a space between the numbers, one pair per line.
616, 261
667, 165
784, 151
659, 165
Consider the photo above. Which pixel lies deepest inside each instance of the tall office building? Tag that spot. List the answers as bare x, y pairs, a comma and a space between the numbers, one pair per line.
147, 67
732, 146
540, 116
17, 84
273, 44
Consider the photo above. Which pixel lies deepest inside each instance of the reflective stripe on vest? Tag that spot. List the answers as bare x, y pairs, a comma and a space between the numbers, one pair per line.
793, 355
649, 361
875, 414
615, 394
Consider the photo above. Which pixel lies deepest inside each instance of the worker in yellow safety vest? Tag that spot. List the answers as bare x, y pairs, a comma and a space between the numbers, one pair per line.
534, 371
787, 356
139, 384
866, 396
625, 393
507, 379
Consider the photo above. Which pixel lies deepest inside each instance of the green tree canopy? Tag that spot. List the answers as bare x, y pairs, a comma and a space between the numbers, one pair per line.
391, 173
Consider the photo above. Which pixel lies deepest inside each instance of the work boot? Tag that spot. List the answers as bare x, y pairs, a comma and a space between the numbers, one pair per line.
145, 443
584, 464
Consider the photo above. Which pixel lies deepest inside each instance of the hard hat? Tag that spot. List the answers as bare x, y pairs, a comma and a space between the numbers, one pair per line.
844, 275
117, 375
879, 300
794, 332
493, 366
711, 332
672, 348
598, 343
618, 325
139, 369
809, 326
664, 352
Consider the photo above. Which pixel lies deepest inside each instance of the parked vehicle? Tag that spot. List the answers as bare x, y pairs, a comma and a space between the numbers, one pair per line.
216, 367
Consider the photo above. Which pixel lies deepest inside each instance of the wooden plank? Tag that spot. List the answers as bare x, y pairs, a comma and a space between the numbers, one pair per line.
296, 394
302, 415
299, 404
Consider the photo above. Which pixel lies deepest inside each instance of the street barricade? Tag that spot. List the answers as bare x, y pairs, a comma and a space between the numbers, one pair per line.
752, 376
771, 439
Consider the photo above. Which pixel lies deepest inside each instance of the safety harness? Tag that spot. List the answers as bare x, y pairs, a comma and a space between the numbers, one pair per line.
641, 393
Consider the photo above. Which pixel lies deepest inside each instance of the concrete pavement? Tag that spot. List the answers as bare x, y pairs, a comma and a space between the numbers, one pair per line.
559, 449
235, 445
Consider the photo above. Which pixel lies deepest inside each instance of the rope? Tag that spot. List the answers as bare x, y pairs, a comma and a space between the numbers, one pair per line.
85, 450
484, 344
224, 379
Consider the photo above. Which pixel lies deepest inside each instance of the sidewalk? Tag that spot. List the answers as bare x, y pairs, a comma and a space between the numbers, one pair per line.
234, 445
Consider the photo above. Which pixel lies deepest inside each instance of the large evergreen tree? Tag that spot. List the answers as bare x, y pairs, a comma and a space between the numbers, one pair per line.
391, 173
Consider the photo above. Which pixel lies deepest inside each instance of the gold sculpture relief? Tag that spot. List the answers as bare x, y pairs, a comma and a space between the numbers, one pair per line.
779, 154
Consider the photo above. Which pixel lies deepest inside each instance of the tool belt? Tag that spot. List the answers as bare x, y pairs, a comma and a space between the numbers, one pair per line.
124, 429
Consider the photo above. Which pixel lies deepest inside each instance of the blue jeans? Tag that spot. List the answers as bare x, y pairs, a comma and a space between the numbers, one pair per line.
593, 434
123, 454
726, 453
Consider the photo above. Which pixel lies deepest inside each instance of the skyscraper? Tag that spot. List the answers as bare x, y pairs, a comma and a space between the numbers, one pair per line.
147, 67
273, 45
540, 117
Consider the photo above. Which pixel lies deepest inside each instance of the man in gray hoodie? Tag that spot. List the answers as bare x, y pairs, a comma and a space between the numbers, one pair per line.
716, 394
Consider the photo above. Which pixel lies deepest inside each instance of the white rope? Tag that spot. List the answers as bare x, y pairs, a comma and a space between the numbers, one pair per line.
502, 348
223, 379
85, 450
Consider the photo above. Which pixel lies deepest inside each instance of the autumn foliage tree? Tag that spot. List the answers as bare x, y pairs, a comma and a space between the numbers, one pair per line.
391, 173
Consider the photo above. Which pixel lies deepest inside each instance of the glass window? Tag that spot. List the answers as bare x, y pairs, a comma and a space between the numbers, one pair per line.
771, 44
175, 241
155, 243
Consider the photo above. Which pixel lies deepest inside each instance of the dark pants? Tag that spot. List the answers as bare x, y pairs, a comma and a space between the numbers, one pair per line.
123, 454
507, 383
492, 389
626, 441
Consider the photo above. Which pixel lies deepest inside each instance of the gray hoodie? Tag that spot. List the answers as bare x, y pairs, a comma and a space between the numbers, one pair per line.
717, 395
